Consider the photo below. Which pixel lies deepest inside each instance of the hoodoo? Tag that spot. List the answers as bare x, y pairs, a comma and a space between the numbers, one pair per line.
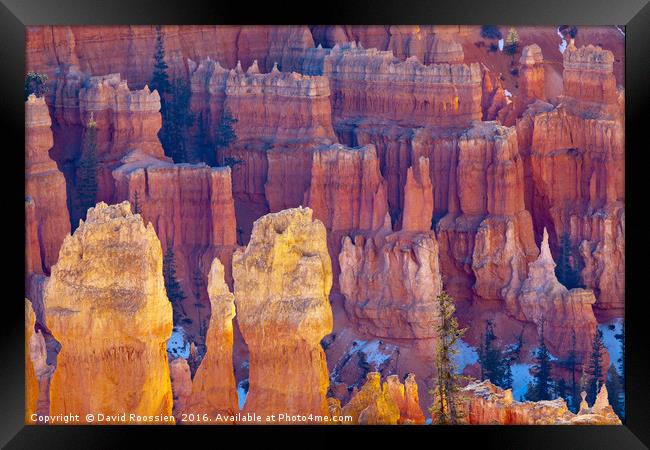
106, 304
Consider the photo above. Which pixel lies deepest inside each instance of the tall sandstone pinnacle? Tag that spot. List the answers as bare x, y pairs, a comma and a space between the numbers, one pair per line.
213, 389
45, 185
544, 299
107, 306
282, 284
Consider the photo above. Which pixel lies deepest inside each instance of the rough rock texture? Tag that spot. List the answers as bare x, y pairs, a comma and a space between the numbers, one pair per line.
363, 85
282, 283
562, 311
390, 283
486, 404
190, 206
37, 371
181, 380
33, 264
574, 157
106, 304
130, 49
372, 404
347, 191
484, 231
418, 198
213, 389
406, 398
45, 185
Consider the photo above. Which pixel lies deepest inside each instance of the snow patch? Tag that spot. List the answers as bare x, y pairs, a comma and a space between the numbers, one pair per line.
374, 355
507, 93
612, 344
501, 41
242, 393
562, 47
466, 355
178, 346
520, 378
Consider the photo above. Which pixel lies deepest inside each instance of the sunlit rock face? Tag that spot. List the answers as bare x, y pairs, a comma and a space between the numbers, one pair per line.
372, 404
282, 283
406, 398
483, 403
574, 158
130, 50
45, 186
213, 389
181, 380
107, 306
390, 283
561, 312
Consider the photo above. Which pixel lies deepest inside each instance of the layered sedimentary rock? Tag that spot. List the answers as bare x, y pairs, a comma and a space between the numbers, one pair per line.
347, 191
494, 98
106, 304
47, 212
574, 154
418, 197
372, 404
561, 312
531, 86
486, 404
406, 398
130, 49
282, 283
190, 206
390, 283
181, 380
213, 389
484, 231
363, 84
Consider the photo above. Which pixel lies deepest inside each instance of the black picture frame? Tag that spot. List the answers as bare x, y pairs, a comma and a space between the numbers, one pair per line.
16, 14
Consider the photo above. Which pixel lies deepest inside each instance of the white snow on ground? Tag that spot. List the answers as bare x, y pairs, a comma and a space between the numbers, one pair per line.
500, 44
508, 93
241, 394
557, 30
520, 378
466, 355
562, 47
612, 344
178, 346
374, 355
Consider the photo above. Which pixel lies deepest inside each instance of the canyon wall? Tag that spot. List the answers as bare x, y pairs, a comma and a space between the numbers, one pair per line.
106, 304
282, 284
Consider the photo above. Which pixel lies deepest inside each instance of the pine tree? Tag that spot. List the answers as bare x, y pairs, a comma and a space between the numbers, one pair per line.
564, 271
87, 173
172, 286
136, 203
511, 44
177, 120
596, 377
225, 134
35, 83
495, 366
615, 391
561, 389
540, 387
571, 364
160, 78
197, 286
444, 409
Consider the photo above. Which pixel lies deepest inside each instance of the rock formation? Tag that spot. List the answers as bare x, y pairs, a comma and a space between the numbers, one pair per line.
486, 404
372, 404
418, 198
406, 398
390, 283
544, 300
282, 283
45, 185
106, 304
181, 380
574, 154
213, 389
347, 191
37, 371
129, 50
